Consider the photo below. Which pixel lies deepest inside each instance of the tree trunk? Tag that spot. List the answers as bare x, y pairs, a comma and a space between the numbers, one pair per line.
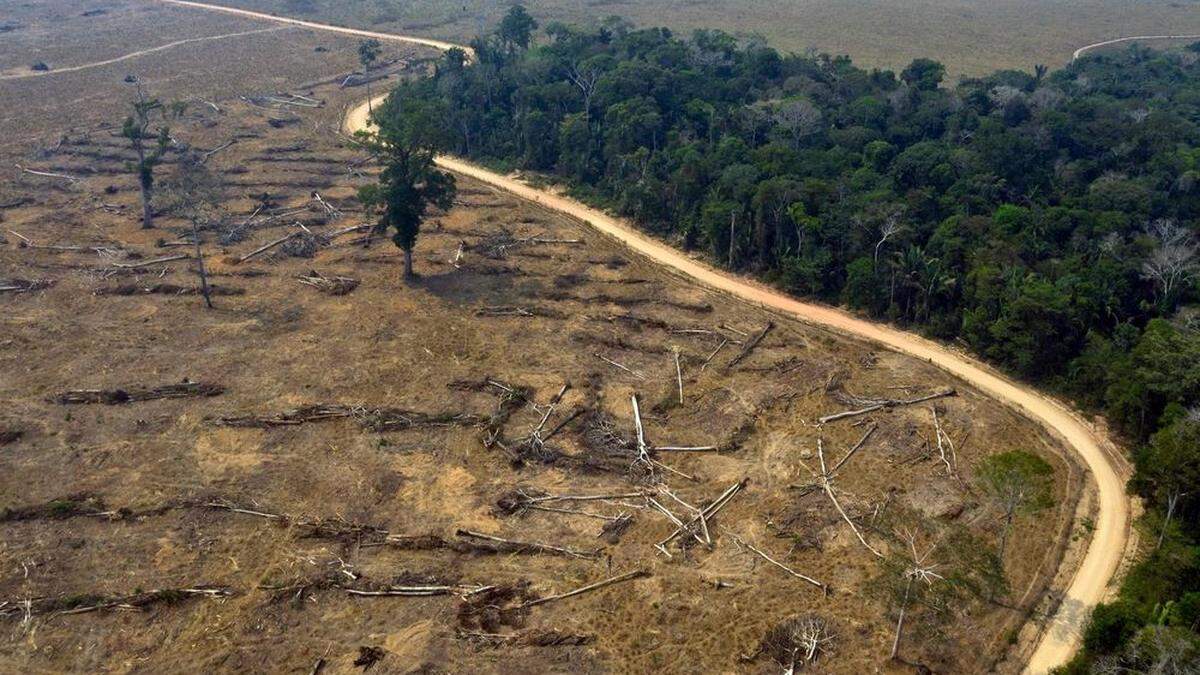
732, 223
200, 263
900, 622
147, 213
408, 267
1008, 520
1172, 499
367, 77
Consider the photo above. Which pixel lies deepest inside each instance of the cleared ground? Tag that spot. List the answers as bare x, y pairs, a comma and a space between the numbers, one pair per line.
69, 34
971, 37
390, 352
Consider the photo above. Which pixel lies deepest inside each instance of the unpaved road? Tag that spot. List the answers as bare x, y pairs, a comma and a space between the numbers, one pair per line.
1061, 636
1133, 38
134, 55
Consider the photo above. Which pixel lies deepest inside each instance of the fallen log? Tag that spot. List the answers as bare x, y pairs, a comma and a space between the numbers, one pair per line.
166, 289
785, 568
533, 638
628, 576
528, 547
267, 247
403, 591
704, 515
887, 403
119, 396
749, 346
46, 174
147, 263
83, 603
329, 285
205, 156
372, 419
24, 285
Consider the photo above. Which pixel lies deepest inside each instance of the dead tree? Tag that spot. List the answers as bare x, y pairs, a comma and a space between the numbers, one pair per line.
1175, 260
880, 404
585, 79
195, 194
749, 346
945, 446
887, 230
917, 571
798, 642
824, 482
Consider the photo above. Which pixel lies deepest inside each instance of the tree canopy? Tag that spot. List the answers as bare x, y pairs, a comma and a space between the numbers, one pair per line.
406, 133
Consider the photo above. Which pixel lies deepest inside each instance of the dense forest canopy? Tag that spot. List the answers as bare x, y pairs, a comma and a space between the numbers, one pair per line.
1048, 220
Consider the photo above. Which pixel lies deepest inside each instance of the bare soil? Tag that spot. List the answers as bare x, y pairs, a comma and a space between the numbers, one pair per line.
37, 108
272, 345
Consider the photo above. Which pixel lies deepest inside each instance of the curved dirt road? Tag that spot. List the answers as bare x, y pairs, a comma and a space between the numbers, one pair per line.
1095, 45
1060, 637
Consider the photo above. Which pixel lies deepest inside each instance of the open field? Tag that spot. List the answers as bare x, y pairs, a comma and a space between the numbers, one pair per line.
416, 444
970, 37
38, 108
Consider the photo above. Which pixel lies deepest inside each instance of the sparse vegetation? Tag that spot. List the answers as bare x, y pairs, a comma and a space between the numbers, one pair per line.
495, 424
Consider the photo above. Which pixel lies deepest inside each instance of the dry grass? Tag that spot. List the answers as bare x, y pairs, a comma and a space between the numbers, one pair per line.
103, 504
39, 109
281, 345
971, 37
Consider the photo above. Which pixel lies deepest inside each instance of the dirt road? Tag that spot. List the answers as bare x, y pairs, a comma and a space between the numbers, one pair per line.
391, 37
1095, 45
1061, 636
133, 55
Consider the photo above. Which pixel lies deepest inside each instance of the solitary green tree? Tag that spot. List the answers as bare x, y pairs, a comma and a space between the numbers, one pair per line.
404, 139
368, 53
1017, 482
148, 123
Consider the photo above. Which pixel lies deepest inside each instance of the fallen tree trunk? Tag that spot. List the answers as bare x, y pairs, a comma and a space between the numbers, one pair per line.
628, 576
119, 396
749, 346
887, 403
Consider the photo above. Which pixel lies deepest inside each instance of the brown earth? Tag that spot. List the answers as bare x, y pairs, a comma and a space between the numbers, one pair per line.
37, 108
281, 345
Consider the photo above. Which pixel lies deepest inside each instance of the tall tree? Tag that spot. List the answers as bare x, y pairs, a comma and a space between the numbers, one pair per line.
410, 183
147, 123
368, 52
195, 194
1168, 469
516, 28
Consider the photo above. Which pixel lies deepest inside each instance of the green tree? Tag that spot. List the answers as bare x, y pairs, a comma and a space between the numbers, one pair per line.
410, 183
1017, 482
1168, 469
516, 28
148, 123
924, 74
